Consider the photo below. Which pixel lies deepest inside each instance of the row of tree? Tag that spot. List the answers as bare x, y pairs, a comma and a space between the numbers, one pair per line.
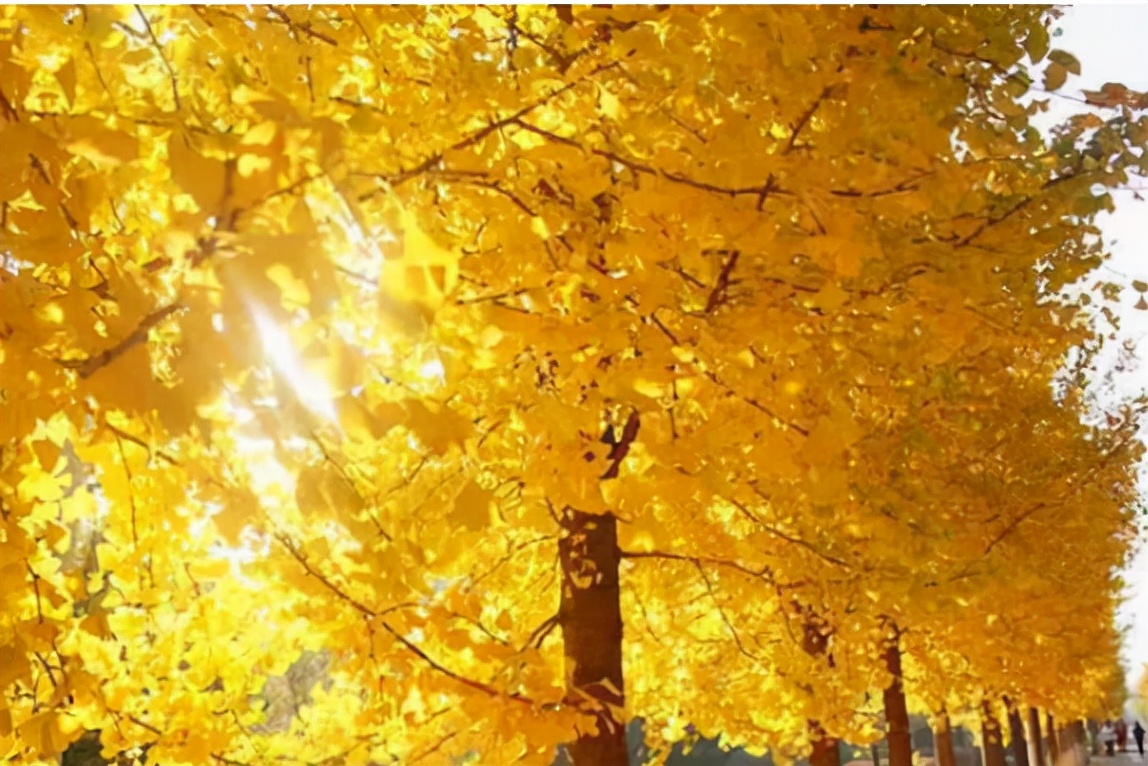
522, 371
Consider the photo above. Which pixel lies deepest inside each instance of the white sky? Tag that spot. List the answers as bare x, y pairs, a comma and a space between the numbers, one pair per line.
1111, 42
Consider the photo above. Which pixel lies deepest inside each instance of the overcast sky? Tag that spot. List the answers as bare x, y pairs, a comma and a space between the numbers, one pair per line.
1111, 41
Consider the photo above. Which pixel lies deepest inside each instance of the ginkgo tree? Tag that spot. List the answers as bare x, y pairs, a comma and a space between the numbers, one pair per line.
539, 366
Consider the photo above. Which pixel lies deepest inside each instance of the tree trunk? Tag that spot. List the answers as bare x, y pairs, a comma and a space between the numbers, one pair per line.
1064, 744
1036, 755
943, 741
815, 642
991, 737
1016, 734
1073, 748
1053, 742
897, 733
1081, 740
1092, 743
591, 619
825, 751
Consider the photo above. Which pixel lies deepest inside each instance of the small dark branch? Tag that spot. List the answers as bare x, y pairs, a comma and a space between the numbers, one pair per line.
685, 275
806, 116
36, 589
546, 134
88, 367
511, 550
721, 286
764, 572
908, 185
339, 593
330, 458
868, 25
143, 724
761, 192
661, 326
965, 241
8, 110
310, 79
539, 634
721, 612
305, 27
512, 37
355, 276
497, 189
468, 682
39, 167
366, 35
782, 423
162, 57
131, 495
494, 297
621, 448
495, 125
685, 126
436, 747
562, 61
129, 437
745, 511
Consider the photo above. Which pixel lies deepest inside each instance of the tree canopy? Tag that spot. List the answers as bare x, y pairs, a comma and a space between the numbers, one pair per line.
395, 384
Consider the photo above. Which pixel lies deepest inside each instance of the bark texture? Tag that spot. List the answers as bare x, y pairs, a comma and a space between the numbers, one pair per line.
943, 741
1017, 740
897, 732
591, 619
991, 739
1035, 744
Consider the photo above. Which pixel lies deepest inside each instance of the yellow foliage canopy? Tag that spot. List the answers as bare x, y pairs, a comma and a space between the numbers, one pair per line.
316, 325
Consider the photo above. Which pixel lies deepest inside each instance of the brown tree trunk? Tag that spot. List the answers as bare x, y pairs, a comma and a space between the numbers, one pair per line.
825, 751
590, 615
897, 733
1081, 740
1073, 748
1092, 729
1016, 734
1036, 753
991, 741
815, 642
1053, 741
943, 741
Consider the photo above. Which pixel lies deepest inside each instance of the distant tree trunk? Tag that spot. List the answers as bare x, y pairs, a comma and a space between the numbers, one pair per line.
897, 733
1081, 740
1034, 742
875, 754
1073, 749
943, 741
590, 616
815, 642
1016, 734
825, 751
1053, 742
1093, 744
991, 741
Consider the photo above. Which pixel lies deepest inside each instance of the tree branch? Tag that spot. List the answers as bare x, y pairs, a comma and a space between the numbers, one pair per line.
93, 364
